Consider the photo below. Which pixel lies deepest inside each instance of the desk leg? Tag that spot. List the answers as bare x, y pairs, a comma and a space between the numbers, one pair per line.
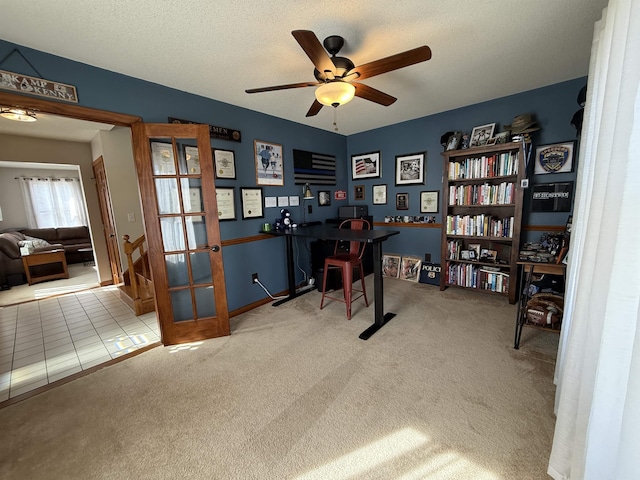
291, 272
524, 293
380, 318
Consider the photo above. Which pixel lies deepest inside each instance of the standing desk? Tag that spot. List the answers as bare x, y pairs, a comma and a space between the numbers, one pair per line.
331, 232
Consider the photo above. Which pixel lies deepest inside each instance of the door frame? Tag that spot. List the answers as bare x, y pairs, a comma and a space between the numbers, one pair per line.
71, 111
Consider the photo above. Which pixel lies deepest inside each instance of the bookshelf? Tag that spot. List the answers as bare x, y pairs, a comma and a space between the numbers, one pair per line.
482, 213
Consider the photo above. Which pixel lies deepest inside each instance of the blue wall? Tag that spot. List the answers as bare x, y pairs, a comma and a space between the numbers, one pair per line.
553, 108
101, 89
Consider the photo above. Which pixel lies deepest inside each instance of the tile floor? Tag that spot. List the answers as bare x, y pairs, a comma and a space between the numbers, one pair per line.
46, 340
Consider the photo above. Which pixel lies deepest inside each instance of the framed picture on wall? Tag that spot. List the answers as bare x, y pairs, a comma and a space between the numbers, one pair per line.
555, 158
269, 163
251, 202
402, 201
410, 169
225, 163
429, 202
366, 165
225, 197
358, 192
379, 194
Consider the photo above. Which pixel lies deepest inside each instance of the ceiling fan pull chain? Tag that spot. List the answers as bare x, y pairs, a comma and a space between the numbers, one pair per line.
335, 118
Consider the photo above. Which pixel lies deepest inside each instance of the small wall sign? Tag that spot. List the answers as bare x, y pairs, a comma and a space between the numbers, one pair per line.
38, 86
340, 195
222, 133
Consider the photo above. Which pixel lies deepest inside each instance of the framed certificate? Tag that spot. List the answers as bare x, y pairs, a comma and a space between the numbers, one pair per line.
251, 202
226, 203
225, 163
429, 202
379, 194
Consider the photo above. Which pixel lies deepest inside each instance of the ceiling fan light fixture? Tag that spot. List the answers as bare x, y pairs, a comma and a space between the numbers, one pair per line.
333, 94
18, 114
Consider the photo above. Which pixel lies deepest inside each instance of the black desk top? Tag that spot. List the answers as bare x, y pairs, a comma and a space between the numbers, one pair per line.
332, 232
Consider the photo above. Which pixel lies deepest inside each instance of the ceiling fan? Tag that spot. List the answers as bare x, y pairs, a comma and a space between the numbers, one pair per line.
336, 76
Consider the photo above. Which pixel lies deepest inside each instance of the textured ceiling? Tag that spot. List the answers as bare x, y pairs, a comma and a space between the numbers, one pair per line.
482, 49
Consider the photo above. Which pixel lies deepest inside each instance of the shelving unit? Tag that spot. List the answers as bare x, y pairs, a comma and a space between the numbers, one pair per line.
482, 207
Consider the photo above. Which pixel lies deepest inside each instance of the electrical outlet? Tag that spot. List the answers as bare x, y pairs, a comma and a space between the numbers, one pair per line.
254, 278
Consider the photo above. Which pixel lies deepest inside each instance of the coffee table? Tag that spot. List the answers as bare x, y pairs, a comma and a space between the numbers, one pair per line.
45, 258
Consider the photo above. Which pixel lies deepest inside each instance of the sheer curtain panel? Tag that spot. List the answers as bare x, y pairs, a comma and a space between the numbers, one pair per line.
53, 202
597, 434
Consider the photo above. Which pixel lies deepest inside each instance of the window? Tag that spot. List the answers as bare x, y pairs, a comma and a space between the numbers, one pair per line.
53, 202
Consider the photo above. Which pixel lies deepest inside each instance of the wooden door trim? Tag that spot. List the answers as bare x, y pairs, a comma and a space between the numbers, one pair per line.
71, 111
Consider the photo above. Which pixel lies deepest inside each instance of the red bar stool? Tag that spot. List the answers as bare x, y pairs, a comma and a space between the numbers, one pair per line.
347, 261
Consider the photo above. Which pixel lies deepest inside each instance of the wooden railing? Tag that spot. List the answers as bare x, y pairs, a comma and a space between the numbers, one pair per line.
137, 289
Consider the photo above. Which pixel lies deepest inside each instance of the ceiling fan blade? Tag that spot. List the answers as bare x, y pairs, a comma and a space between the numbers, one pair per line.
282, 87
394, 62
316, 106
373, 95
314, 50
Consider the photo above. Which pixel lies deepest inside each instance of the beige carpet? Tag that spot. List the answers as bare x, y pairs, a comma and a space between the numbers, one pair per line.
80, 278
293, 393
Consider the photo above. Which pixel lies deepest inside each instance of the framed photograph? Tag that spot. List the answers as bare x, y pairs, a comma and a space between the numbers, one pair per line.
410, 168
324, 198
268, 160
225, 196
488, 256
464, 255
402, 201
410, 269
474, 249
454, 141
366, 165
429, 202
358, 192
501, 137
224, 163
492, 141
251, 202
555, 158
379, 194
390, 265
480, 135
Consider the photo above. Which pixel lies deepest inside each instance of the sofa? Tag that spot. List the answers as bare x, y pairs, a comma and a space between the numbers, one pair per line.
71, 239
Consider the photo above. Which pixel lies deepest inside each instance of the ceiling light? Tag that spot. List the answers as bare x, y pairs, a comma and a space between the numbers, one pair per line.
336, 93
18, 114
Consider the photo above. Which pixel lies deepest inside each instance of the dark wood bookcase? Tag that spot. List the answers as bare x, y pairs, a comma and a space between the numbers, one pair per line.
482, 212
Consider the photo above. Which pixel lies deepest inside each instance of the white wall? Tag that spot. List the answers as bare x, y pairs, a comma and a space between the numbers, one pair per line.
115, 148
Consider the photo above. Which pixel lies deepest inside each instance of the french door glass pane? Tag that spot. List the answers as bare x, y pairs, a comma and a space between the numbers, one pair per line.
162, 158
205, 303
201, 267
172, 234
177, 271
181, 305
167, 195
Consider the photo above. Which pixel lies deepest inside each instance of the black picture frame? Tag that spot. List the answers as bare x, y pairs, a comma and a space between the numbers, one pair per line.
224, 163
324, 198
226, 200
410, 168
252, 202
366, 165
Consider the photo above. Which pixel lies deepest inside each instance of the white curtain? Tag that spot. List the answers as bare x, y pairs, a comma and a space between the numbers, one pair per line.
597, 434
53, 202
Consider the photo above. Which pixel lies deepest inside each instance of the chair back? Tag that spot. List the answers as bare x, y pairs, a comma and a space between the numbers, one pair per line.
356, 249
